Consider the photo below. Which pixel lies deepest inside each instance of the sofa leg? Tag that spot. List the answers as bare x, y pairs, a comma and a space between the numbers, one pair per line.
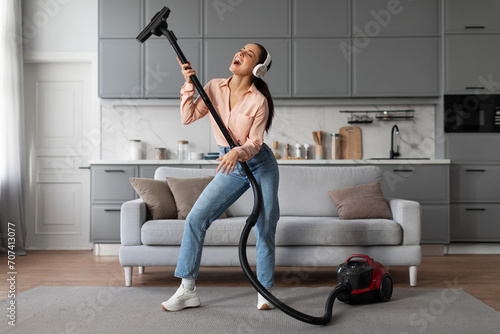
413, 275
141, 270
128, 275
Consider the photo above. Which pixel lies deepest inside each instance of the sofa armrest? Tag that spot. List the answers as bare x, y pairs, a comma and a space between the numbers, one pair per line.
132, 217
408, 214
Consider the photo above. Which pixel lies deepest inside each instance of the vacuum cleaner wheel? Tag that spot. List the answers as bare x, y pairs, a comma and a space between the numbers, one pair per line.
386, 288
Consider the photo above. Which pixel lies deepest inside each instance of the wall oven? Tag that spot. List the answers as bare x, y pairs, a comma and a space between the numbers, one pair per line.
472, 113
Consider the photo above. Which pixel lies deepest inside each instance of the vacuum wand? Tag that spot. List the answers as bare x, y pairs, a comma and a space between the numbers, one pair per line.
158, 27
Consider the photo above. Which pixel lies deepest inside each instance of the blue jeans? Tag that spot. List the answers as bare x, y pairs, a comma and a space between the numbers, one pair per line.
219, 195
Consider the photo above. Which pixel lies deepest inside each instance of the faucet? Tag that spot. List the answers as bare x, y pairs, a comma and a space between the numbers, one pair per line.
392, 154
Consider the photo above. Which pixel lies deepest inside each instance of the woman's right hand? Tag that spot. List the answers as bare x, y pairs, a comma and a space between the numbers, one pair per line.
187, 73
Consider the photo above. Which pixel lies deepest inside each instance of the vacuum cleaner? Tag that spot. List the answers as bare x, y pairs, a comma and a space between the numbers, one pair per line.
369, 280
359, 280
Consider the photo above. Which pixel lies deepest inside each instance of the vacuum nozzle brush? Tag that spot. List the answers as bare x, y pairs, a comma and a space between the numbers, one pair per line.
155, 27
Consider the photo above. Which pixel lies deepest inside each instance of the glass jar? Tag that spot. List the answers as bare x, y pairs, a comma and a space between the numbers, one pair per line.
298, 151
182, 150
307, 152
160, 153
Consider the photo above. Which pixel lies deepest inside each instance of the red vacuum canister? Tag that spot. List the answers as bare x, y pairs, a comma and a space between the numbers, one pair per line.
370, 281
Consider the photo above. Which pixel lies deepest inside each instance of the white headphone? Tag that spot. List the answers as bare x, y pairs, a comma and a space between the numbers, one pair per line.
261, 69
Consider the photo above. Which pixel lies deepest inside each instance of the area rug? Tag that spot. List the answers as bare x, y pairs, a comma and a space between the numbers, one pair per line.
233, 310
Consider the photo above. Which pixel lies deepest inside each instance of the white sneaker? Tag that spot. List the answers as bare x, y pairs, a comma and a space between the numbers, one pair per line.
182, 299
263, 304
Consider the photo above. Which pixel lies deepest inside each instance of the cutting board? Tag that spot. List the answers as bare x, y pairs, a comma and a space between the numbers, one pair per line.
350, 142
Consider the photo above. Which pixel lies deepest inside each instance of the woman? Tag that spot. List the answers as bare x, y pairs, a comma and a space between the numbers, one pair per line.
245, 106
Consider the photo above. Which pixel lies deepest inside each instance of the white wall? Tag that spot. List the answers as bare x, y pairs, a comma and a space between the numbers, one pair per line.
160, 126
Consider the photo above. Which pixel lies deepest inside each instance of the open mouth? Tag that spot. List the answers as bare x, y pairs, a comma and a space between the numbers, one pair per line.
237, 61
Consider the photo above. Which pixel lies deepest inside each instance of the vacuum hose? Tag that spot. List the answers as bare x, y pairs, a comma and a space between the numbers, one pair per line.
158, 26
251, 221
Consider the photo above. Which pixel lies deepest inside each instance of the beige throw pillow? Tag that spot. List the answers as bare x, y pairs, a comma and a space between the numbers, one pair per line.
186, 192
157, 196
361, 202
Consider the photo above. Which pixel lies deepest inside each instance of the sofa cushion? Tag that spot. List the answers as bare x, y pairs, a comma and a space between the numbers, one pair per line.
291, 231
332, 231
157, 196
222, 232
363, 201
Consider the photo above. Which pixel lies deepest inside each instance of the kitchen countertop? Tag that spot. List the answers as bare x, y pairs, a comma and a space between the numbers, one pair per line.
281, 162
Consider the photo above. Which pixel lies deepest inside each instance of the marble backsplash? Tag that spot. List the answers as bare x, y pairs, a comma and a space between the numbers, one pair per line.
160, 126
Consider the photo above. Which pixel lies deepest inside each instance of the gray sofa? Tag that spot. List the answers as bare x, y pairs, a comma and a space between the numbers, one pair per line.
309, 232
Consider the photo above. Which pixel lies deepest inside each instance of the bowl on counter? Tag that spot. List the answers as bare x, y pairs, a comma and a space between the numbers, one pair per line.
211, 156
196, 156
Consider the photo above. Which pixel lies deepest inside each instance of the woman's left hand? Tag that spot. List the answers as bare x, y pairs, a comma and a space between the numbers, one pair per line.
229, 161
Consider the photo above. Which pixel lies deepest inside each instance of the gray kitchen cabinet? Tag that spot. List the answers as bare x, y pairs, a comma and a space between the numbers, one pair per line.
397, 67
125, 19
219, 54
120, 19
475, 183
436, 223
421, 183
120, 72
472, 16
363, 62
105, 223
428, 185
147, 172
473, 147
162, 73
472, 64
320, 68
185, 19
375, 18
110, 183
331, 18
475, 222
110, 187
238, 18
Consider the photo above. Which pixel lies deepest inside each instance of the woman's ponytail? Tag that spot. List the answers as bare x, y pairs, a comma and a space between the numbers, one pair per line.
261, 85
